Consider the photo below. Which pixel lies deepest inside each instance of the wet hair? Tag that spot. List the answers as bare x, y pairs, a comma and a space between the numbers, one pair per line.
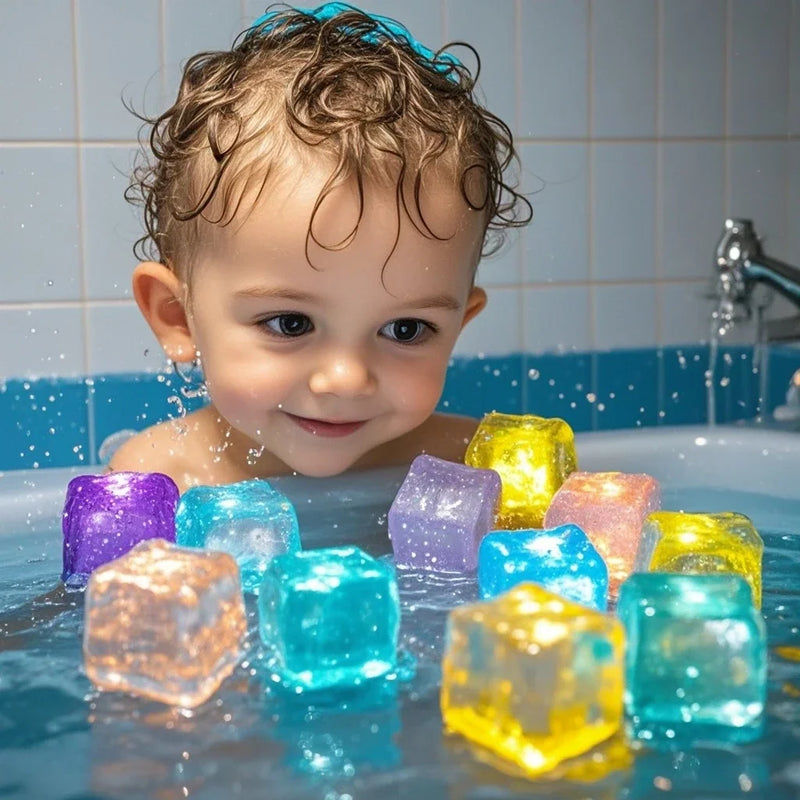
347, 87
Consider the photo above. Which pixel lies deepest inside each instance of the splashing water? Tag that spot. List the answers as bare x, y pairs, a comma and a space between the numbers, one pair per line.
254, 454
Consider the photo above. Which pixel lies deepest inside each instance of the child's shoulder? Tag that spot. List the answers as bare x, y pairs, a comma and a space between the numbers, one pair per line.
174, 447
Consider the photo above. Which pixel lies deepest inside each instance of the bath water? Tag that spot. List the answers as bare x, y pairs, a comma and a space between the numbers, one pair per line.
61, 738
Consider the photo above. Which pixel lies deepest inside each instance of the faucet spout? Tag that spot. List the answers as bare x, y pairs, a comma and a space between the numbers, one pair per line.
741, 263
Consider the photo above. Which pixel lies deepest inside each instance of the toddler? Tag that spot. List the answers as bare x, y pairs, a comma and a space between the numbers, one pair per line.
316, 205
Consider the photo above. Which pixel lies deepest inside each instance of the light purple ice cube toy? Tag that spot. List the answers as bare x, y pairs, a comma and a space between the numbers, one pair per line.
440, 514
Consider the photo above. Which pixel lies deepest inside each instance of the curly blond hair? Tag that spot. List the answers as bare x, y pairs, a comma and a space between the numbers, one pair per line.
348, 87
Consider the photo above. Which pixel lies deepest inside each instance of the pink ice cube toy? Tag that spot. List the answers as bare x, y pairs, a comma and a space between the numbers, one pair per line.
611, 508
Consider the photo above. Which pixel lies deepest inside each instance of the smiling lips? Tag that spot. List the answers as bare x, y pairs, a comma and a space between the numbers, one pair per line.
319, 427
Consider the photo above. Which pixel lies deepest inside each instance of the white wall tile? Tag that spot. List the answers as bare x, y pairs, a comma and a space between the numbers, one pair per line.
121, 341
758, 68
685, 312
758, 190
693, 68
37, 93
118, 60
497, 330
113, 224
41, 342
504, 267
794, 70
39, 224
623, 68
556, 242
557, 319
554, 69
214, 26
493, 36
625, 316
623, 212
692, 207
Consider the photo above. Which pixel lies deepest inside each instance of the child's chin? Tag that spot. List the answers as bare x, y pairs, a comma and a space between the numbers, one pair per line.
320, 468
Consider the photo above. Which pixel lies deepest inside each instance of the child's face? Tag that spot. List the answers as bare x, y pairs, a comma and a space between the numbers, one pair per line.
321, 364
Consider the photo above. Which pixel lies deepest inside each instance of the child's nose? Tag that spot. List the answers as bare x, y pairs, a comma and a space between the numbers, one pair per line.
345, 373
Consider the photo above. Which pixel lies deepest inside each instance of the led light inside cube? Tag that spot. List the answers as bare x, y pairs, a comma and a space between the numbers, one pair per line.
533, 677
610, 507
165, 622
533, 455
706, 543
106, 515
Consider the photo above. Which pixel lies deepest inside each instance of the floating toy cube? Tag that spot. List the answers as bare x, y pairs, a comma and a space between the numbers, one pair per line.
696, 662
331, 618
165, 622
106, 515
440, 514
706, 543
610, 507
251, 520
533, 677
532, 455
562, 560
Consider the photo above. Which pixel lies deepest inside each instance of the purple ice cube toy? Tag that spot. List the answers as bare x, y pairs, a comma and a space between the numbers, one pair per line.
106, 515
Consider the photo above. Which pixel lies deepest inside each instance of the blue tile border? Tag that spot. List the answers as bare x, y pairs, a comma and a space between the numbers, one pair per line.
561, 386
682, 390
43, 423
63, 422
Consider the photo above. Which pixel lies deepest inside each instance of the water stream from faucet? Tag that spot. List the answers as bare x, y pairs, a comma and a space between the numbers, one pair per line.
723, 320
721, 323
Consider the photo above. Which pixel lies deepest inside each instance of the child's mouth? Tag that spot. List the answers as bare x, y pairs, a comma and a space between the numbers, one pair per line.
319, 427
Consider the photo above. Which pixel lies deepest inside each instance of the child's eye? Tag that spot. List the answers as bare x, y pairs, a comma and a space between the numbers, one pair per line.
407, 331
289, 325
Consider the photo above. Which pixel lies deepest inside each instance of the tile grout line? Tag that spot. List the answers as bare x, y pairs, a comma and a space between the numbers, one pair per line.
522, 235
590, 191
658, 205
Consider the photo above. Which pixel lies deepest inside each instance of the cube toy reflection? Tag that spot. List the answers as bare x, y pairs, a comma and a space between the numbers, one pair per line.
106, 515
533, 455
562, 560
532, 677
440, 514
165, 622
611, 508
331, 617
706, 543
696, 662
251, 520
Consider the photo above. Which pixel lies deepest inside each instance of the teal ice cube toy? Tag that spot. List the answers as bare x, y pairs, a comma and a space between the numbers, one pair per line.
696, 658
330, 617
250, 520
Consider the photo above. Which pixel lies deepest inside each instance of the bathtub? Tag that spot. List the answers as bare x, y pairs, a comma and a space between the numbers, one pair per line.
60, 738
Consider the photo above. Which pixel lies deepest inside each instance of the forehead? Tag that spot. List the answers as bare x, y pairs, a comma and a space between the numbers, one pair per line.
297, 219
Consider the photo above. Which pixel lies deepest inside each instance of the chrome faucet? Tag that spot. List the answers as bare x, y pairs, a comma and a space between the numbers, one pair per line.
741, 267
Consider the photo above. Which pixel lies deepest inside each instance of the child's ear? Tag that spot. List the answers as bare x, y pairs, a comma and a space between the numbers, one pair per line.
476, 302
160, 295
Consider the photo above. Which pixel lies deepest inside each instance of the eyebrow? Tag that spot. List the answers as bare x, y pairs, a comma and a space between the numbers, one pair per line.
443, 301
266, 292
